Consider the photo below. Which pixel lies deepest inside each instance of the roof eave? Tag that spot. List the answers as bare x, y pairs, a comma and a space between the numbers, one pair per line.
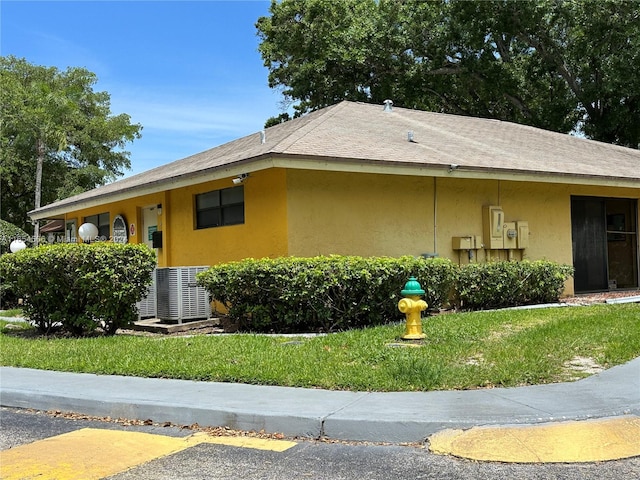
354, 165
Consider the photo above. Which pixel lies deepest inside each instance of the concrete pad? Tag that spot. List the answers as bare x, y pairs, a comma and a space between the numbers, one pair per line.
158, 326
566, 442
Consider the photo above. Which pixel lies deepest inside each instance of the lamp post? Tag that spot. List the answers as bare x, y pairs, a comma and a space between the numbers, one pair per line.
17, 245
88, 232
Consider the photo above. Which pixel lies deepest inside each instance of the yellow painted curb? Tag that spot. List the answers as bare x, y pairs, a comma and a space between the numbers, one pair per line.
89, 453
566, 442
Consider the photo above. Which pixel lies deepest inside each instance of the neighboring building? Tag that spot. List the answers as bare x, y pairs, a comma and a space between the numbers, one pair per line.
365, 180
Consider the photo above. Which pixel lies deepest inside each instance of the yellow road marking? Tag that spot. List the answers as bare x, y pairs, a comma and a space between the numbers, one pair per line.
575, 441
93, 453
244, 442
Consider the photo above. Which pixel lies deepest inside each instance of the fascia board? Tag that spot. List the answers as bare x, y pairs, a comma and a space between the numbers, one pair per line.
334, 165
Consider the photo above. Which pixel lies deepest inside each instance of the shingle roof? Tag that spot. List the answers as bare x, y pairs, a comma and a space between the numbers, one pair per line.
365, 133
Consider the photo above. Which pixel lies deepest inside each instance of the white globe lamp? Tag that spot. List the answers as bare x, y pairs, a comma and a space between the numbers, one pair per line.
88, 232
17, 245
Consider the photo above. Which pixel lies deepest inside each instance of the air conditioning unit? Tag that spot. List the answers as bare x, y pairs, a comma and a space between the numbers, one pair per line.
147, 307
179, 297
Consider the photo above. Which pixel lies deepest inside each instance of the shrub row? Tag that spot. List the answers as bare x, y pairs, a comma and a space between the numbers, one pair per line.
80, 287
337, 293
321, 293
482, 286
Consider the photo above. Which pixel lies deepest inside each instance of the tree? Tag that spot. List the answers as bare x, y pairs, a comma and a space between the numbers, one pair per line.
57, 136
560, 65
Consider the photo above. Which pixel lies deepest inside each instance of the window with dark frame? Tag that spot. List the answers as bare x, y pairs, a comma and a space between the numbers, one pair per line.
101, 221
220, 207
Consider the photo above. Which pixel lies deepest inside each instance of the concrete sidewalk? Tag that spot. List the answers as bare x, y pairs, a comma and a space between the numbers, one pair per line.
360, 416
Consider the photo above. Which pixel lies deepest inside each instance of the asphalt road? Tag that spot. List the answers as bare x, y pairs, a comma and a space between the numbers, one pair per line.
304, 459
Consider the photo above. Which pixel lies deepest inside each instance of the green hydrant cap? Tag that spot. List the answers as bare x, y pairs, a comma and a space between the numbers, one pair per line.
412, 287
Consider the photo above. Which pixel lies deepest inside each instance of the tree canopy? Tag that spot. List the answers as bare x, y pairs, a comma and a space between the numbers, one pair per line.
559, 65
55, 118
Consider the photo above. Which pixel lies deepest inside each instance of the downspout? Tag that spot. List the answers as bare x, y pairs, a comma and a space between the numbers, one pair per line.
435, 216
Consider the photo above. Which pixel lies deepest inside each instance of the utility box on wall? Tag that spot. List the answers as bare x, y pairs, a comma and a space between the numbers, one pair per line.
470, 242
156, 239
510, 235
500, 234
492, 223
523, 234
462, 243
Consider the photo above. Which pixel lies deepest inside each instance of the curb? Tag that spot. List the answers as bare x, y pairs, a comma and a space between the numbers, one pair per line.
395, 417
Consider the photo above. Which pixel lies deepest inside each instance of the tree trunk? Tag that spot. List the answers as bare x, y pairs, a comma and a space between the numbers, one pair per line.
39, 162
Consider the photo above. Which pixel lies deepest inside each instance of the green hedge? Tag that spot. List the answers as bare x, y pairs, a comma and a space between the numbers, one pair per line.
507, 284
80, 287
323, 293
9, 232
338, 293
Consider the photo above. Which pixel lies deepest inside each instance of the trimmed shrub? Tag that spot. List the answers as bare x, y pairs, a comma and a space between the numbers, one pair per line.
323, 293
80, 287
337, 293
507, 284
9, 232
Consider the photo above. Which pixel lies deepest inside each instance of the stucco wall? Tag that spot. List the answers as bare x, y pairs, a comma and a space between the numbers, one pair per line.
129, 209
367, 214
370, 214
312, 212
262, 235
359, 214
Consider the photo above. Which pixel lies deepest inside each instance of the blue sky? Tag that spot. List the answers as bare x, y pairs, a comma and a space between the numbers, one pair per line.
188, 71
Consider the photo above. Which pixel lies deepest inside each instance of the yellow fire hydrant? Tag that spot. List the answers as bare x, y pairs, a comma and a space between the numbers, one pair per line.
412, 306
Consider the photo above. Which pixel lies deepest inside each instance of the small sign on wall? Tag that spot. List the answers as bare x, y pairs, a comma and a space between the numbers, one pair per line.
119, 230
150, 231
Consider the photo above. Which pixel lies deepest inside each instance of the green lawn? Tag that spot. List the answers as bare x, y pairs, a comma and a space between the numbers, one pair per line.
461, 351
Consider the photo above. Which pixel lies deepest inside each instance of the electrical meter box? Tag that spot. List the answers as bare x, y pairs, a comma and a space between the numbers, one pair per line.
523, 234
510, 235
493, 223
462, 243
470, 242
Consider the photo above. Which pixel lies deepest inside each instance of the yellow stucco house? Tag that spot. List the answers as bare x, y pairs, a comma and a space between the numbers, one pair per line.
362, 179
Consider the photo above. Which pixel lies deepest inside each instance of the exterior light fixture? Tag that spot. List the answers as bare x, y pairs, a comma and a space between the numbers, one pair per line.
240, 178
17, 245
88, 232
159, 209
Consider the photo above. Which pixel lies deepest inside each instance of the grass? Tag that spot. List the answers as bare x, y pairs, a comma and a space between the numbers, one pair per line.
15, 312
461, 351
